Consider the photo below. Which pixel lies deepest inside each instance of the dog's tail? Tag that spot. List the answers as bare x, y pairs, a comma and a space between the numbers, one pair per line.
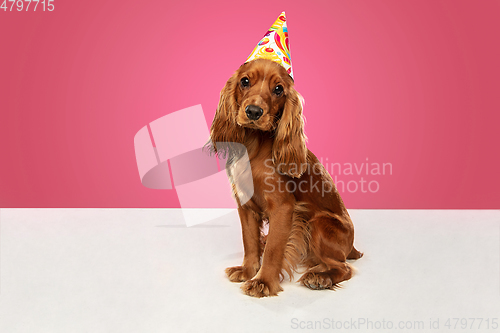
354, 254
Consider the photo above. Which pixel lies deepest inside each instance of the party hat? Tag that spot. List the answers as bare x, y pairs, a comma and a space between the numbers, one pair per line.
274, 45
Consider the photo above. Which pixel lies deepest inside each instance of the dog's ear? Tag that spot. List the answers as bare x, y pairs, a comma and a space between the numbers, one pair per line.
224, 127
289, 147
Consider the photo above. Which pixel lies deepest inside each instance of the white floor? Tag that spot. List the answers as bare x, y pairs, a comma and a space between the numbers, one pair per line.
142, 270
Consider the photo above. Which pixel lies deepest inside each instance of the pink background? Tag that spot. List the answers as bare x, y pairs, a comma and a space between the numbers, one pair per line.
411, 83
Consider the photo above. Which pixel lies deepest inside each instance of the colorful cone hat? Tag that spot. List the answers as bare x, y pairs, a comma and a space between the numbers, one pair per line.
274, 45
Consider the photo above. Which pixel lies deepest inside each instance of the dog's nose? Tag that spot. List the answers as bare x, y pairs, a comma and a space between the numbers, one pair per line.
253, 112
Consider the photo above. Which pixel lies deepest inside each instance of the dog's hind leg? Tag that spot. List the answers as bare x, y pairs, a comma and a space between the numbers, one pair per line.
330, 245
320, 277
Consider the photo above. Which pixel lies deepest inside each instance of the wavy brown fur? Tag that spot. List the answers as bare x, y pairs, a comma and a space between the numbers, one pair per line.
306, 226
297, 247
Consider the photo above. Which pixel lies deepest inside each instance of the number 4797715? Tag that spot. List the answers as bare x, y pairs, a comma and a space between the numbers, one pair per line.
20, 5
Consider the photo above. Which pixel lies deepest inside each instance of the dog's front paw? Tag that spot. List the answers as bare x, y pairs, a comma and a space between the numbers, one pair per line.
240, 273
259, 288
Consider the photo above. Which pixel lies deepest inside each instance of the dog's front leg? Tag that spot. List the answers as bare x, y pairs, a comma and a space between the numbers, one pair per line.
250, 228
267, 281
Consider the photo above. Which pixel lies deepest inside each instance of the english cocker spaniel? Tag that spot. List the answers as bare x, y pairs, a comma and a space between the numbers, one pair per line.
292, 192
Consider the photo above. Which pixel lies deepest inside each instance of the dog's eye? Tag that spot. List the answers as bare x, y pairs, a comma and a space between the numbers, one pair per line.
278, 90
245, 82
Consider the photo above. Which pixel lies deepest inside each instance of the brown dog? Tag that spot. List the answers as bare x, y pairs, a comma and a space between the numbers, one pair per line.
308, 222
